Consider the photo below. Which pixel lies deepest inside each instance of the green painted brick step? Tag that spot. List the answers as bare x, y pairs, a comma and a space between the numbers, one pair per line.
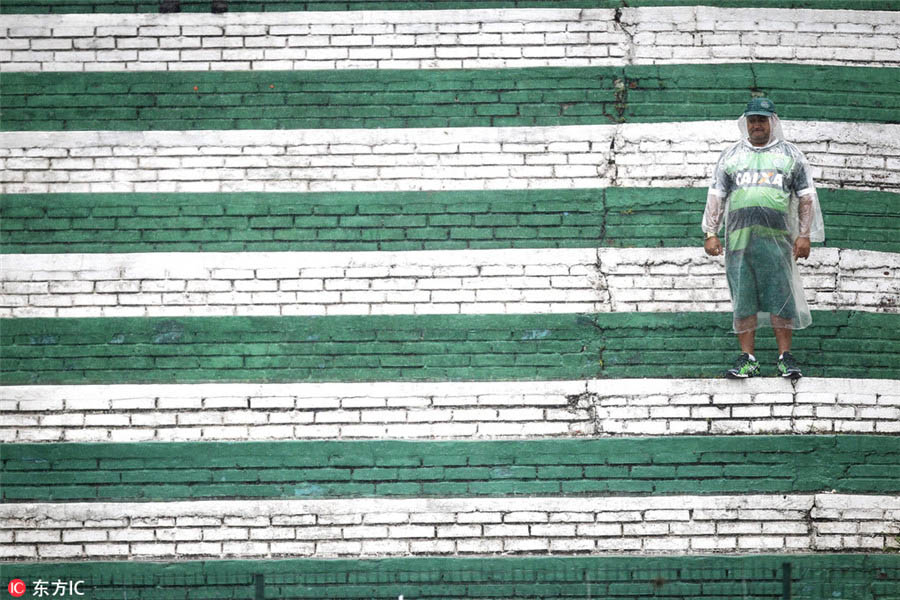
424, 348
541, 96
388, 221
321, 469
753, 577
148, 6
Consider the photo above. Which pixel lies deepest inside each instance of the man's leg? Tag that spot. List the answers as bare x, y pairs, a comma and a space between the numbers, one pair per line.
778, 297
783, 333
747, 337
742, 286
786, 364
746, 364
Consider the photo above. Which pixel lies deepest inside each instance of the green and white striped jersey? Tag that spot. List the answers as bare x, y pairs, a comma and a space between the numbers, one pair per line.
758, 184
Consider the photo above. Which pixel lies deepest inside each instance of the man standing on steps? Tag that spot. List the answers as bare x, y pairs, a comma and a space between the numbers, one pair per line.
763, 190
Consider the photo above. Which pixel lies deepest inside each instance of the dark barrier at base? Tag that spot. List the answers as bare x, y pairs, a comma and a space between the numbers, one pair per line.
722, 579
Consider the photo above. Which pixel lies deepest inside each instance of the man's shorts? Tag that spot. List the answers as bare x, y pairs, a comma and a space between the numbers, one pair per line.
760, 278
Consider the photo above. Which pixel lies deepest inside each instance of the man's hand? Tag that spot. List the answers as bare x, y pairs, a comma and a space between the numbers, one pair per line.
713, 246
801, 248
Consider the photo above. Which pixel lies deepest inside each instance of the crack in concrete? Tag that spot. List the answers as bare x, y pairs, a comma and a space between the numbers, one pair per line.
590, 321
811, 530
754, 88
590, 402
605, 213
838, 282
612, 170
601, 284
617, 21
621, 94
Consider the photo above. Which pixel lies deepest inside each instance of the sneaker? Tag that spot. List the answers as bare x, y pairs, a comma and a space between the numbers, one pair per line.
787, 366
743, 368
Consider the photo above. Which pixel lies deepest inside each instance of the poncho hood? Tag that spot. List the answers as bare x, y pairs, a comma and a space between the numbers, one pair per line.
775, 135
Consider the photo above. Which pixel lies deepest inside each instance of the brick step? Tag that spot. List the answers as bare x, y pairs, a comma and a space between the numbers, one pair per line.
422, 348
672, 154
93, 472
438, 410
508, 97
259, 529
430, 282
639, 217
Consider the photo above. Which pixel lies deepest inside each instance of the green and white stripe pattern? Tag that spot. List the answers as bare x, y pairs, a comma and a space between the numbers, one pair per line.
383, 261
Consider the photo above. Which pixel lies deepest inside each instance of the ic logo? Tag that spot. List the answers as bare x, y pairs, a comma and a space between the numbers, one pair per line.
16, 588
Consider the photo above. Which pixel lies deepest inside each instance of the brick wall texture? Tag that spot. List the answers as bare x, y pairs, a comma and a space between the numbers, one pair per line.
371, 298
479, 38
857, 156
407, 283
435, 410
385, 528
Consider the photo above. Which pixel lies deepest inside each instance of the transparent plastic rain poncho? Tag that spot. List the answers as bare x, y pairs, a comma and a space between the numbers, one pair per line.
767, 199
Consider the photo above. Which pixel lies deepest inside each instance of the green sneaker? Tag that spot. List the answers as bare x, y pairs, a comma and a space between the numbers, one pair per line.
743, 368
787, 366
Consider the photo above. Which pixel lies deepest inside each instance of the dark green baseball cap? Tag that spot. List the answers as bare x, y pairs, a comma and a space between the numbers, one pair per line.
760, 106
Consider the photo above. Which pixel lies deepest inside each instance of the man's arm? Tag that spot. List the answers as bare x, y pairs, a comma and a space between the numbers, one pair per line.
802, 184
714, 212
712, 219
804, 216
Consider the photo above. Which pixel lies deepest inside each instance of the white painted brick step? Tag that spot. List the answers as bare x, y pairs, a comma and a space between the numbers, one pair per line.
847, 155
513, 281
445, 39
438, 410
456, 527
